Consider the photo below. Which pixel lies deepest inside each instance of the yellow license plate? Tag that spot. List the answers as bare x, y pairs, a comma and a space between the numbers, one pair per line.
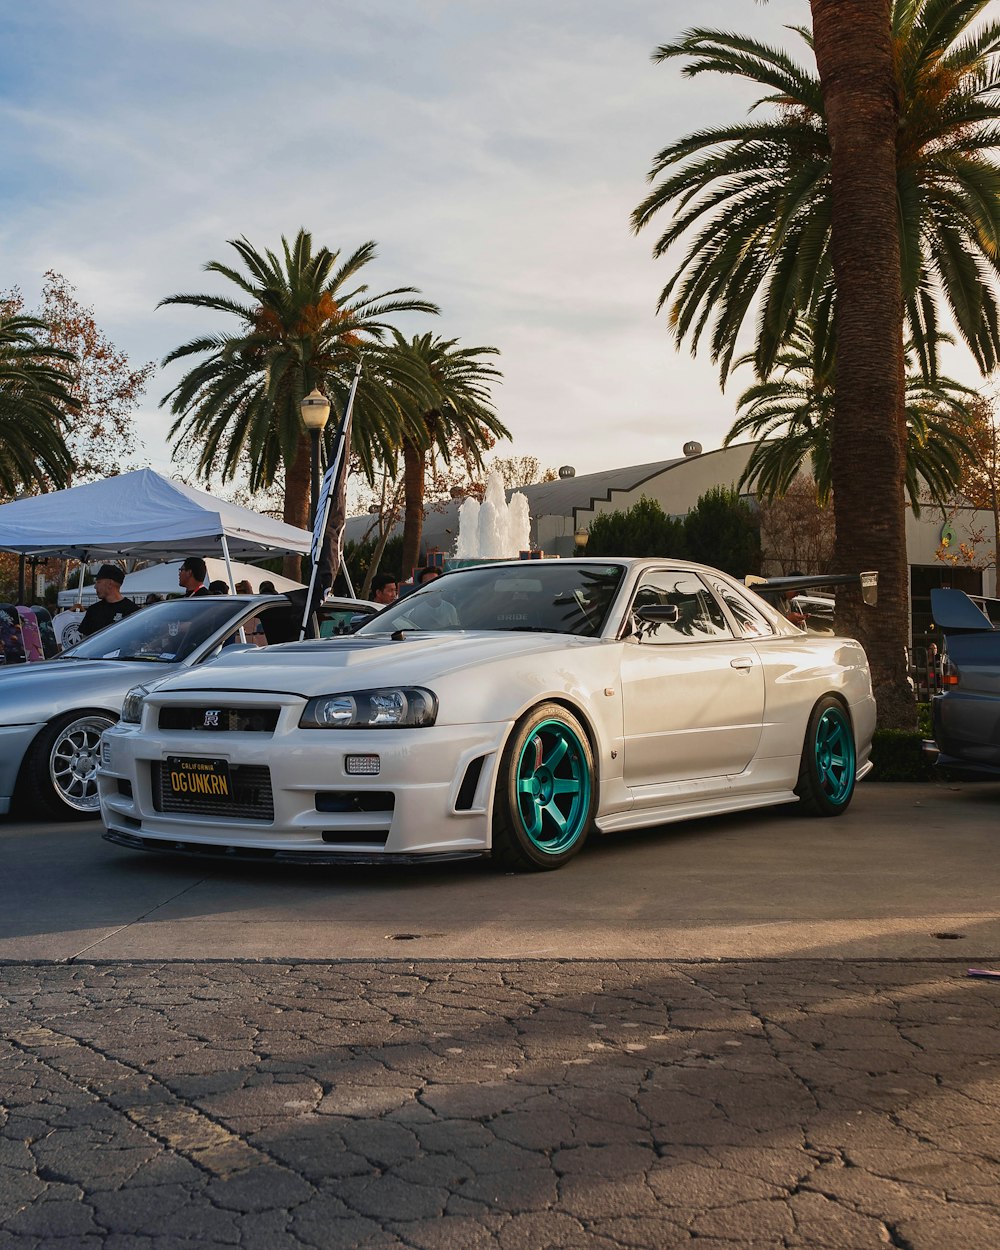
190, 777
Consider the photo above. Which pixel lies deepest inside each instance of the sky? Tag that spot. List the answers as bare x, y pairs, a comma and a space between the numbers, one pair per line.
493, 149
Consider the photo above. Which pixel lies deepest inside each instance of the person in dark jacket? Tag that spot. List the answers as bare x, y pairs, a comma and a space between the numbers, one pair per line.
111, 604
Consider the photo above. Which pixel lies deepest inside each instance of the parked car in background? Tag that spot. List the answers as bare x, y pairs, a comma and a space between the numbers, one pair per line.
506, 710
966, 713
53, 712
793, 595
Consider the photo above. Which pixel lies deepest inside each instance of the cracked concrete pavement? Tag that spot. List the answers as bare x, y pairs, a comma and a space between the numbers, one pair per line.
472, 1096
522, 1105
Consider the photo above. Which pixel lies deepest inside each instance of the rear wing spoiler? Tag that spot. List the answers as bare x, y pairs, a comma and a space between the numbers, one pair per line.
955, 613
781, 585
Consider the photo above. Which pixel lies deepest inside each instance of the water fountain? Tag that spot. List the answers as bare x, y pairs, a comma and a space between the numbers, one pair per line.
493, 529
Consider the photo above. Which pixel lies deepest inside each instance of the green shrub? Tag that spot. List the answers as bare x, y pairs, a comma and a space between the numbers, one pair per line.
642, 530
898, 756
724, 531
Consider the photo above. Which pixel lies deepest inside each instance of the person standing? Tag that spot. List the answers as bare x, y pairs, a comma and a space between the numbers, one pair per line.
191, 577
111, 604
385, 588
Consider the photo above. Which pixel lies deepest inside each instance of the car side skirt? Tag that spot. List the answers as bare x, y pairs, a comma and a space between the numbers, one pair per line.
670, 813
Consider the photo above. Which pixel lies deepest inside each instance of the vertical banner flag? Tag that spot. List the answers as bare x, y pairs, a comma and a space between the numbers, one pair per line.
331, 513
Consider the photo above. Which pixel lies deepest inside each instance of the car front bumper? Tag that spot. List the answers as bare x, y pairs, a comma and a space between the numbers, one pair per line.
432, 795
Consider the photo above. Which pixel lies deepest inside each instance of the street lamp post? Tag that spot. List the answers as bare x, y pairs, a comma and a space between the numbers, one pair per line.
315, 409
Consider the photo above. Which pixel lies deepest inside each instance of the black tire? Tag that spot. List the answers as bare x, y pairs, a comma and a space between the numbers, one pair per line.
58, 776
828, 769
546, 792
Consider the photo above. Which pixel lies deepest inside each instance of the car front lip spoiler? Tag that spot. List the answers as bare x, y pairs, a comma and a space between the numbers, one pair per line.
208, 850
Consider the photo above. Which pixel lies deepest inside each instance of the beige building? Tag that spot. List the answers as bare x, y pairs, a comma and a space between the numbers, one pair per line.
563, 508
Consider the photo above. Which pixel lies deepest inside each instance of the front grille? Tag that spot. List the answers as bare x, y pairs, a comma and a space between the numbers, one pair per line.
252, 797
219, 720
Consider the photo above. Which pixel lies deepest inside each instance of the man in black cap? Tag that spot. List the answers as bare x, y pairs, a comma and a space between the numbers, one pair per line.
111, 604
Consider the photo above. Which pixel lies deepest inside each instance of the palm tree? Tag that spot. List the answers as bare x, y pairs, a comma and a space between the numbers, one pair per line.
753, 203
790, 415
35, 398
865, 195
856, 59
455, 407
302, 319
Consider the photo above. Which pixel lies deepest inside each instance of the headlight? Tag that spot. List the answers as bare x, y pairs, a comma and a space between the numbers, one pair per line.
401, 707
132, 706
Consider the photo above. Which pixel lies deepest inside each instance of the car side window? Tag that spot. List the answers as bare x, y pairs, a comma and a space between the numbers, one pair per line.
751, 622
699, 617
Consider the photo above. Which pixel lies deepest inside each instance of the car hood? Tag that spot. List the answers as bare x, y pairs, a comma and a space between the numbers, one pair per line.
30, 693
17, 677
313, 668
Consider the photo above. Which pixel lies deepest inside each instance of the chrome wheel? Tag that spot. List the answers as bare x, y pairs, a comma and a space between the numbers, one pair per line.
73, 760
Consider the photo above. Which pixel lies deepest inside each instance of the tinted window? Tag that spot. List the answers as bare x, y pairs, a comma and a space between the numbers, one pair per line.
164, 632
751, 621
546, 595
699, 617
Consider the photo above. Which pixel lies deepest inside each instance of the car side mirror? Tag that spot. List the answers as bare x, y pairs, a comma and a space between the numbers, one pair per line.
651, 616
657, 614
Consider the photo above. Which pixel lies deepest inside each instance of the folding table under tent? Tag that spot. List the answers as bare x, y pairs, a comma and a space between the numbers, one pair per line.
143, 515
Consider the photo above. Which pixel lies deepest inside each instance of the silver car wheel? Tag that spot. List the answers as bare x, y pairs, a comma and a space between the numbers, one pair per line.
73, 762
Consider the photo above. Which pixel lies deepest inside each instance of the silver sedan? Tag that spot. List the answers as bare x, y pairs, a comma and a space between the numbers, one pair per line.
53, 712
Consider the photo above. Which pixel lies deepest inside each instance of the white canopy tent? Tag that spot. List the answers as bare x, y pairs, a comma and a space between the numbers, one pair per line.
141, 514
161, 579
145, 515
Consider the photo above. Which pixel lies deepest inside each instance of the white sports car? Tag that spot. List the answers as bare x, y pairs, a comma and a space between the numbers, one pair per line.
506, 709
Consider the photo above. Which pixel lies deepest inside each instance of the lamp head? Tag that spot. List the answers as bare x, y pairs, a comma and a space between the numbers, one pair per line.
315, 409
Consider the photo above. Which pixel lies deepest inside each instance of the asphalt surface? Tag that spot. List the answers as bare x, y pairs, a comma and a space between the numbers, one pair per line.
903, 864
457, 1059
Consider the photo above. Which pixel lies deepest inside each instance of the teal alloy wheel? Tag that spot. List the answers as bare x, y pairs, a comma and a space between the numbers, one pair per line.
553, 787
545, 791
829, 760
835, 755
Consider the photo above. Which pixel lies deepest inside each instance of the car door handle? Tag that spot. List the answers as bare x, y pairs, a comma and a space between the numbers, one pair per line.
742, 661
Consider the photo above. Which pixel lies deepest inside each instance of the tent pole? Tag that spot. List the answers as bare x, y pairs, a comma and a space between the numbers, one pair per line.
83, 565
347, 578
229, 576
229, 563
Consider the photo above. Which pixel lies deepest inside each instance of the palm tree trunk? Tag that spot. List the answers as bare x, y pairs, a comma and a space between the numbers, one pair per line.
413, 506
297, 484
854, 56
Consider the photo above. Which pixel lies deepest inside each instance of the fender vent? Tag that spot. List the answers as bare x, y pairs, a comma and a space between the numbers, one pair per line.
470, 782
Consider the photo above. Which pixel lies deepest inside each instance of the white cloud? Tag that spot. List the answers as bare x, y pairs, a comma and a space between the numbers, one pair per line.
493, 148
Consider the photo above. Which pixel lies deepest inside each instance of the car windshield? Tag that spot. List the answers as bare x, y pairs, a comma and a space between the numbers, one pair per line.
163, 633
552, 596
